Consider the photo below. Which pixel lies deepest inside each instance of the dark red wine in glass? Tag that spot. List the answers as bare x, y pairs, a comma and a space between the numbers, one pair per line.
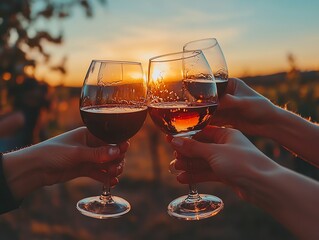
221, 86
110, 122
215, 59
113, 108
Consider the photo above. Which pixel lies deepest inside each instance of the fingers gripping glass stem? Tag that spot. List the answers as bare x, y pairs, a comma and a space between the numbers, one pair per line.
194, 206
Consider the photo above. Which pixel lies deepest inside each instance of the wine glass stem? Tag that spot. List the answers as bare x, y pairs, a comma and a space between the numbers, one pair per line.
106, 196
193, 193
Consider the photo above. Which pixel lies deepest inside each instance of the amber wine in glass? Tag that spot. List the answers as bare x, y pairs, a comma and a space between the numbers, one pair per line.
182, 98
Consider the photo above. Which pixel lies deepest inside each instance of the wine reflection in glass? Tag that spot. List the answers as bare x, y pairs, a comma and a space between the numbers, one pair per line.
113, 108
215, 58
182, 97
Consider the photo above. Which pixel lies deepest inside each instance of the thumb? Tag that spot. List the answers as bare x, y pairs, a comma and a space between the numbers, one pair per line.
193, 149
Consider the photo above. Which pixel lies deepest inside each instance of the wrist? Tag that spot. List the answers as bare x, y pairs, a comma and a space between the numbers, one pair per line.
289, 197
22, 172
259, 187
253, 184
295, 133
259, 117
276, 124
284, 124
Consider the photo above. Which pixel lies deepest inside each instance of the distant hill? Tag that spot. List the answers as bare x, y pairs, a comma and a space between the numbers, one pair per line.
262, 80
273, 79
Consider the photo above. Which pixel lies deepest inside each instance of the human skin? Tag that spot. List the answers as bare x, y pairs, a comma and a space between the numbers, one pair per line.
227, 156
253, 114
70, 155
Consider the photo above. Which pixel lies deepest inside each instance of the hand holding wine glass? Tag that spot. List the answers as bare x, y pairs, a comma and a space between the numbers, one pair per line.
113, 93
75, 153
182, 97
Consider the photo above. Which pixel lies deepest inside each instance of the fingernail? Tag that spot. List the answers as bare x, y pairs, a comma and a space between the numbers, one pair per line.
172, 169
178, 142
114, 181
114, 151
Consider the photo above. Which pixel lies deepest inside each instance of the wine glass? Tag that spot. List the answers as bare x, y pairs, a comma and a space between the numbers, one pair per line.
181, 99
113, 108
215, 58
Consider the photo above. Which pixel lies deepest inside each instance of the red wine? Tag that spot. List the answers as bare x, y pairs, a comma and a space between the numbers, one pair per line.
113, 124
201, 89
179, 118
221, 86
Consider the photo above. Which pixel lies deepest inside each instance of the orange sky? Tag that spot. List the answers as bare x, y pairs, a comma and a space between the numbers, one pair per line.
255, 36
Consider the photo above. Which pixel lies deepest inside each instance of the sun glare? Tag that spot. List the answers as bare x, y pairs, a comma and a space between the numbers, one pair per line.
136, 75
157, 75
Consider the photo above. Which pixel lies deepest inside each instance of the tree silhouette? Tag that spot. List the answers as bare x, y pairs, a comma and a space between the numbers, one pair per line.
19, 36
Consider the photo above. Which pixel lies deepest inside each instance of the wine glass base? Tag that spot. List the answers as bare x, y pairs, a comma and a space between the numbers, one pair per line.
206, 207
95, 208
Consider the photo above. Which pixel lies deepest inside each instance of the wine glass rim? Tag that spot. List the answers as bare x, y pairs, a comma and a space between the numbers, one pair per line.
192, 53
202, 40
117, 61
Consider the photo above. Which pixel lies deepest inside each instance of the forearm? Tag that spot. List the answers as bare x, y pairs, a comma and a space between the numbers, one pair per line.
290, 198
296, 134
22, 170
9, 124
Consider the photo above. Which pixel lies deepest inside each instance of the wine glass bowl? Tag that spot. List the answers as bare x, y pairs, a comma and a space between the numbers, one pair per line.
215, 58
113, 93
182, 98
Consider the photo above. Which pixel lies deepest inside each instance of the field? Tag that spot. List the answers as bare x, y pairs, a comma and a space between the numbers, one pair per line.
50, 213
